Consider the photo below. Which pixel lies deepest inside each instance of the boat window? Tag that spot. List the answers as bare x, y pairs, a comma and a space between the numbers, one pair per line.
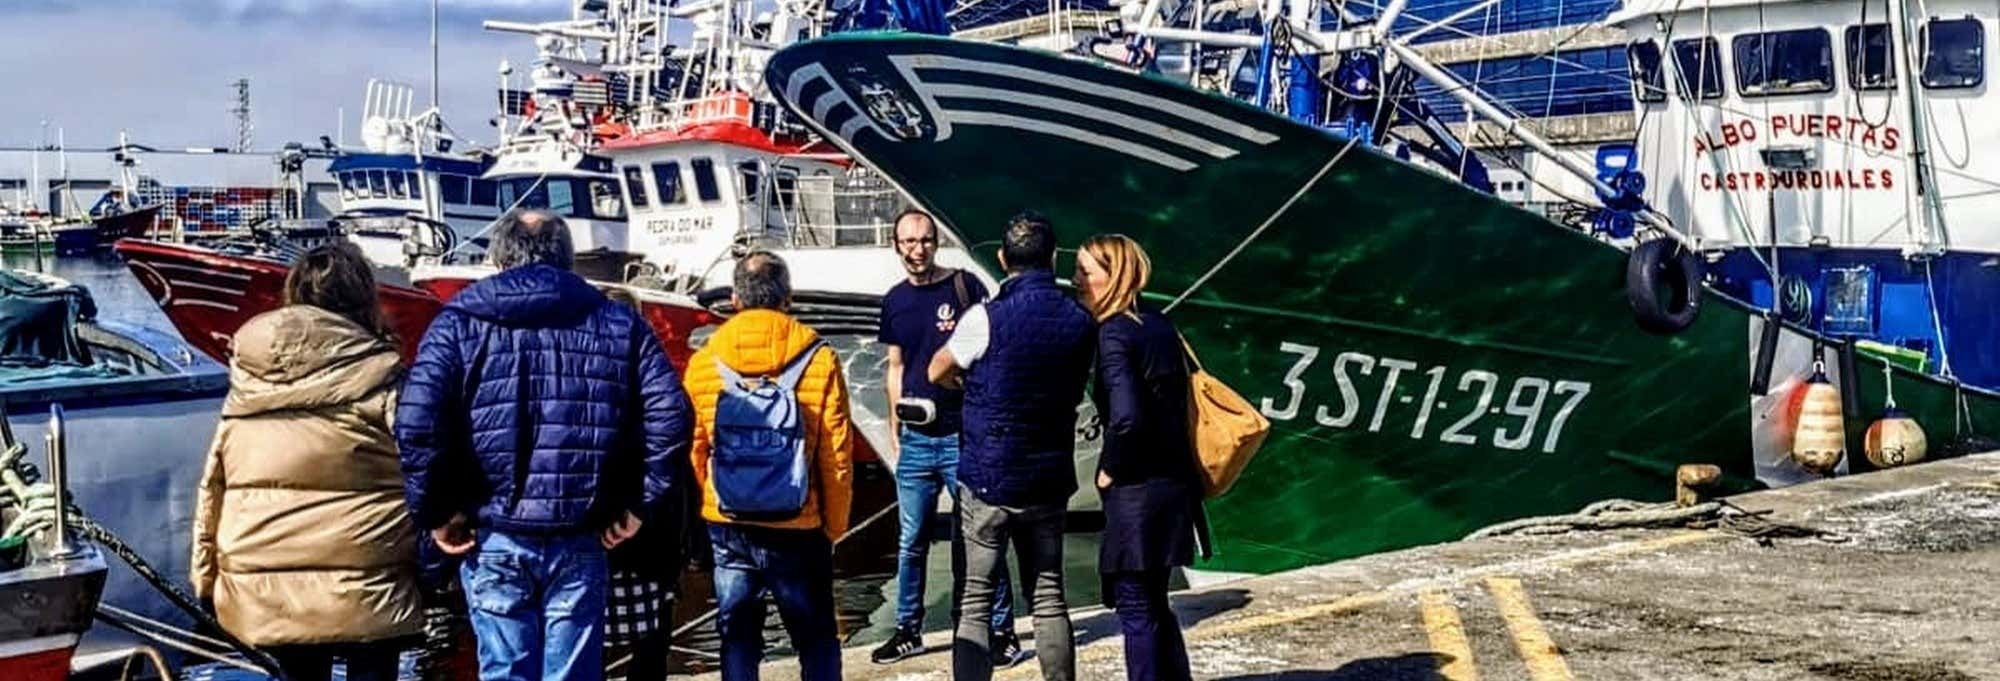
582, 198
704, 179
668, 177
351, 186
635, 186
416, 185
485, 193
787, 189
1954, 53
1784, 62
605, 202
456, 188
398, 187
378, 184
749, 181
1699, 66
1868, 64
560, 197
1648, 84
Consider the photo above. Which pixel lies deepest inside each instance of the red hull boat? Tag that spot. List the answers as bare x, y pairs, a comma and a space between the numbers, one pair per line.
209, 294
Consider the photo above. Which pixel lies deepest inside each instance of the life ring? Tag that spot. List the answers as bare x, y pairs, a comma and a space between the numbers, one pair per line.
1663, 283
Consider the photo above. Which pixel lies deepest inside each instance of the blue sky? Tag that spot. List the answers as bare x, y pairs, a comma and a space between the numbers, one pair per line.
163, 69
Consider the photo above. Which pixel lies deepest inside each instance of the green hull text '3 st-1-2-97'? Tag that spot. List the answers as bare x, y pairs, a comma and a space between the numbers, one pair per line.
1432, 360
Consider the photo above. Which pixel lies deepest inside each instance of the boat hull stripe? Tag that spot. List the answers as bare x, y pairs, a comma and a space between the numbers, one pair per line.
202, 270
1107, 116
1036, 125
922, 62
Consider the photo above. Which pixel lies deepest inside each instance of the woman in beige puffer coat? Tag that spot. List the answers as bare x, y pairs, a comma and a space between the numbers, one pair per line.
300, 537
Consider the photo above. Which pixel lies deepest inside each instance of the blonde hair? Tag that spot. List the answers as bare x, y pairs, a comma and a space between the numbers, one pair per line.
1127, 268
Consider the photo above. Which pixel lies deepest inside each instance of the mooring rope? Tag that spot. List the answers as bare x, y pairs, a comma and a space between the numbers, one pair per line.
1224, 262
1618, 514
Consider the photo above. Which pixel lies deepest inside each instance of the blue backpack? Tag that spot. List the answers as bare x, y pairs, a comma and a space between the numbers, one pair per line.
759, 467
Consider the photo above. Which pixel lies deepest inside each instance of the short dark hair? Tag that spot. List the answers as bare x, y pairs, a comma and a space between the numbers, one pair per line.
1030, 243
763, 282
896, 225
530, 236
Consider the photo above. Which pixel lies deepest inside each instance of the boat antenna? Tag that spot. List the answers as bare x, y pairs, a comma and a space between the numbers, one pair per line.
434, 54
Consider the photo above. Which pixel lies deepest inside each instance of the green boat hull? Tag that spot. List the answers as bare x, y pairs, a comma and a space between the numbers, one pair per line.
1433, 360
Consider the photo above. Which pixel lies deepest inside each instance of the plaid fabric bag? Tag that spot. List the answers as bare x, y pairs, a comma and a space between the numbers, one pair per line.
634, 607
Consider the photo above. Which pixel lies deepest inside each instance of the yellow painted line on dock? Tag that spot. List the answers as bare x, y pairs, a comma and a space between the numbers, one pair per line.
1545, 660
1368, 599
1447, 635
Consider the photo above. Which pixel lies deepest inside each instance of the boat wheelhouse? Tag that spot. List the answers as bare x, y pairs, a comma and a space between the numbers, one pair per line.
1826, 184
408, 194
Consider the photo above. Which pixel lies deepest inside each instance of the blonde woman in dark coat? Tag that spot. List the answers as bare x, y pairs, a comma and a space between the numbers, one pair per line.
1147, 474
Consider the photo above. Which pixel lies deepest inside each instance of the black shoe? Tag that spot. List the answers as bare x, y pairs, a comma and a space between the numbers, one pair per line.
1007, 650
905, 643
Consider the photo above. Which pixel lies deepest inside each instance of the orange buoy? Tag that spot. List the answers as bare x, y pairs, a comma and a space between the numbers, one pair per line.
1819, 442
1894, 440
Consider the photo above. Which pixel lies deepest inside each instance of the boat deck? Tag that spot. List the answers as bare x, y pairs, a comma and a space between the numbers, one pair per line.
1904, 584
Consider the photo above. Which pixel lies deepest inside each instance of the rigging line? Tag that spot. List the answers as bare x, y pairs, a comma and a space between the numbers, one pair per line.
1426, 23
1245, 243
1937, 322
1854, 93
1771, 197
1691, 102
1479, 67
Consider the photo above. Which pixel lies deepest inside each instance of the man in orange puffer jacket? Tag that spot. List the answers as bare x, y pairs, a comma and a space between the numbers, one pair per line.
791, 558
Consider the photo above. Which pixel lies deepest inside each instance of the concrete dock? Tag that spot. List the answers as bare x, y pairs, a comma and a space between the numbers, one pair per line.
1886, 576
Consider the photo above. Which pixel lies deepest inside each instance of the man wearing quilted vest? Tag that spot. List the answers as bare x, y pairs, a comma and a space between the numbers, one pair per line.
1023, 358
540, 427
784, 550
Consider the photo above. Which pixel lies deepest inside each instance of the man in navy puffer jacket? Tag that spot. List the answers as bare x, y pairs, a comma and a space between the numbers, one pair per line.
542, 425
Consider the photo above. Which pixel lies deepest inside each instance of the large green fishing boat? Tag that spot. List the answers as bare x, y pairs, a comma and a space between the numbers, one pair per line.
1432, 359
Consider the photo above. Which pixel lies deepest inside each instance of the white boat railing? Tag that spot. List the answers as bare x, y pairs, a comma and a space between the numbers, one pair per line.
727, 107
855, 210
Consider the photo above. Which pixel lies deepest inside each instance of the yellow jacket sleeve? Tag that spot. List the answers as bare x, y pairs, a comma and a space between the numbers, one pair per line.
835, 457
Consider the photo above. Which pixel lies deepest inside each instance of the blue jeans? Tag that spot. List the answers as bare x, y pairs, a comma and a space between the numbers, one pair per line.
928, 465
796, 567
537, 605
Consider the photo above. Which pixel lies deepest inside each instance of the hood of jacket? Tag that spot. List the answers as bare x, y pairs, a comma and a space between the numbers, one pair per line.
304, 357
529, 296
760, 342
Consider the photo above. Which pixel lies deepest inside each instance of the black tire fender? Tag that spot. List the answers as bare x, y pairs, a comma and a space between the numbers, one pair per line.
1663, 284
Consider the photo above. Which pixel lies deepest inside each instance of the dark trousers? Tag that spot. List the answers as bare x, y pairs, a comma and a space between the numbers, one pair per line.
1036, 533
649, 657
1154, 649
374, 661
796, 568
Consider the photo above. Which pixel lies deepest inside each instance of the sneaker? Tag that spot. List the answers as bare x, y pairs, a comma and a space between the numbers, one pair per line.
905, 643
1007, 650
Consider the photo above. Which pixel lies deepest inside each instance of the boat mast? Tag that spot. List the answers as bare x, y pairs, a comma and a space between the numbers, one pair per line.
434, 54
1920, 207
127, 183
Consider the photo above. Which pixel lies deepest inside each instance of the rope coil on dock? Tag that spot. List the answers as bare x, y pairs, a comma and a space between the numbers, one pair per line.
1620, 514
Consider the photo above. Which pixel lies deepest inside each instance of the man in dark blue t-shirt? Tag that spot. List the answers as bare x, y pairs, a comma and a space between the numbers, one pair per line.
917, 316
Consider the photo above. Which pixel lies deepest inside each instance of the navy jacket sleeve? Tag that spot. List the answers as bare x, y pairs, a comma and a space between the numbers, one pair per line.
1120, 367
429, 418
668, 420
